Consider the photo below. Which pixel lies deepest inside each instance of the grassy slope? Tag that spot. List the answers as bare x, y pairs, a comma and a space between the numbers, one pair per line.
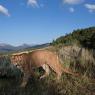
84, 37
68, 85
84, 84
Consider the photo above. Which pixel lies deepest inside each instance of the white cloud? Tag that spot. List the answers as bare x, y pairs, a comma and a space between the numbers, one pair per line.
73, 1
71, 9
33, 3
90, 7
4, 10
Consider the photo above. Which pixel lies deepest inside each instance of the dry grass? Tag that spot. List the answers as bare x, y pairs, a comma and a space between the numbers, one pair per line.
84, 84
78, 59
68, 85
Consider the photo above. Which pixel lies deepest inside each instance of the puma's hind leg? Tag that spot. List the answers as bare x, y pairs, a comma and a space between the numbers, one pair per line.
47, 71
59, 75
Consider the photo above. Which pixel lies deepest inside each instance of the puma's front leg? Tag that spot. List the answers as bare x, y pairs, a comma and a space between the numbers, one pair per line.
25, 79
26, 76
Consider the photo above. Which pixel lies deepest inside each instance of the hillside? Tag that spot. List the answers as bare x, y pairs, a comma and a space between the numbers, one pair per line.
83, 37
74, 57
84, 84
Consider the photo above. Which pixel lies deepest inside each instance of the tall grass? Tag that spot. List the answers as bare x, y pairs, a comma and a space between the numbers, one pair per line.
68, 85
77, 59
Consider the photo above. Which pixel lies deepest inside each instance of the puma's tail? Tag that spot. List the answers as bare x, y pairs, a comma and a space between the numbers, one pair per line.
70, 72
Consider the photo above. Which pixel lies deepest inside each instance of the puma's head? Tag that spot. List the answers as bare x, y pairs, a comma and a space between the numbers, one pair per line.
17, 60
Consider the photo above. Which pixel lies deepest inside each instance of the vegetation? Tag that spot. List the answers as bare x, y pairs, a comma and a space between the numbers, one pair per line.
73, 55
68, 85
83, 37
84, 84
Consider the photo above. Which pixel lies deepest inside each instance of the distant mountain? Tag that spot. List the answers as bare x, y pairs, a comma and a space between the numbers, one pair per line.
23, 46
39, 46
7, 48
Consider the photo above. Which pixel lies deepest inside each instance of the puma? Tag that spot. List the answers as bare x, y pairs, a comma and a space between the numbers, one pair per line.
35, 59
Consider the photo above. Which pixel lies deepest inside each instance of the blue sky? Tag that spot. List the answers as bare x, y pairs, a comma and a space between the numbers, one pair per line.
41, 21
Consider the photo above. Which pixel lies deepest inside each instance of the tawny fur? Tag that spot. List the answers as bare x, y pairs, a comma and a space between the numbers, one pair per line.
39, 58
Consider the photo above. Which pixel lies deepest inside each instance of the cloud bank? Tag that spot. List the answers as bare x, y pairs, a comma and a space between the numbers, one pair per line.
71, 9
73, 1
90, 7
4, 10
32, 3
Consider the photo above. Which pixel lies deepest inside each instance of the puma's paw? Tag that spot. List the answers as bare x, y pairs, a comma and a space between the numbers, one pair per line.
42, 77
23, 84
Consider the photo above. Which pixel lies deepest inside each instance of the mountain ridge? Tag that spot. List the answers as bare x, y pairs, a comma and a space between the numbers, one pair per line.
8, 48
